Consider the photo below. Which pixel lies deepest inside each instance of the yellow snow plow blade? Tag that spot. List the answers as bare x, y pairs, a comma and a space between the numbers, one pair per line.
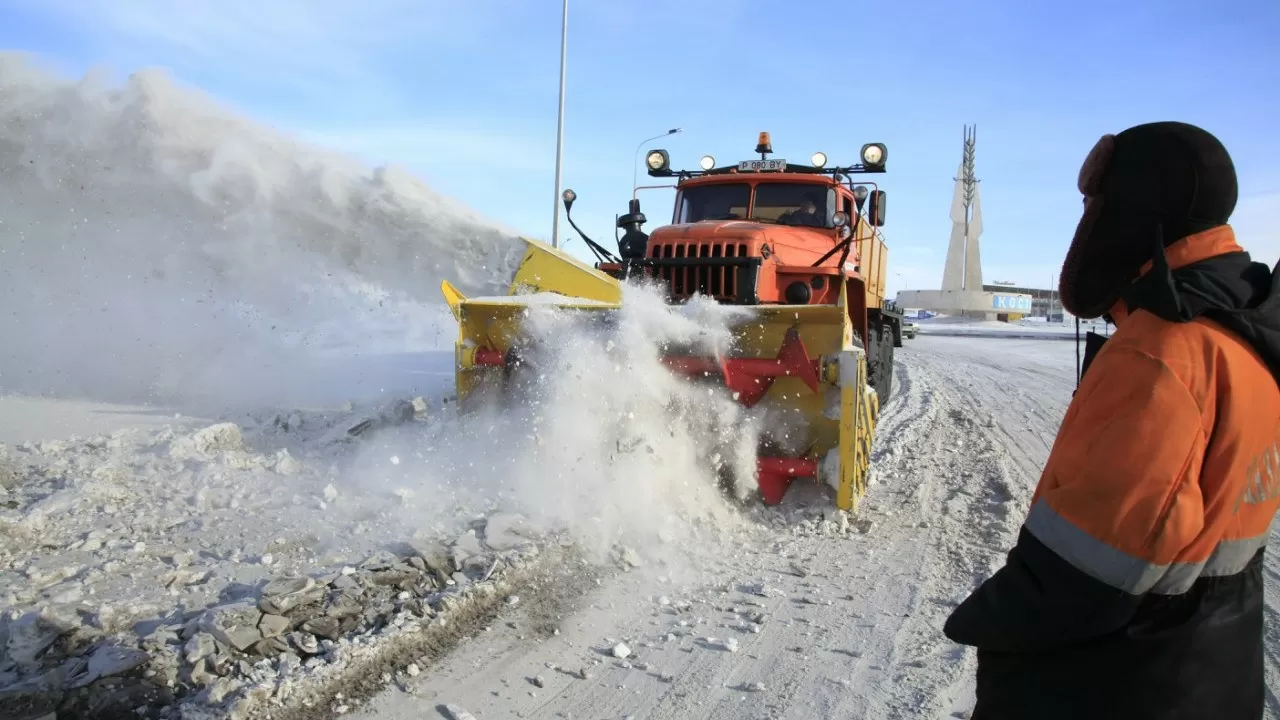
453, 298
544, 269
489, 327
797, 357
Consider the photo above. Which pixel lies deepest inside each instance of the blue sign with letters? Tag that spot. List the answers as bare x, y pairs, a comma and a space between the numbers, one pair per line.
1017, 303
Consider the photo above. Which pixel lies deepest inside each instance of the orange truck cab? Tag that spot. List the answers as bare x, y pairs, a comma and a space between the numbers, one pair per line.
768, 232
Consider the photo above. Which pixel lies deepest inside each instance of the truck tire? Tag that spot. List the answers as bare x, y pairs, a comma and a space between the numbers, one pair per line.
880, 362
887, 369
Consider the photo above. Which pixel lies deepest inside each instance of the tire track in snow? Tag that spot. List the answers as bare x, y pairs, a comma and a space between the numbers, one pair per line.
968, 483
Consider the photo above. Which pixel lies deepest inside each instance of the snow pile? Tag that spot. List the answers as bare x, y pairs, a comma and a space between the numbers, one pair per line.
239, 564
153, 246
172, 566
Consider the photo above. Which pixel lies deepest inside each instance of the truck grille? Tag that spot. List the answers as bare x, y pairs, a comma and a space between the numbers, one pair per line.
722, 281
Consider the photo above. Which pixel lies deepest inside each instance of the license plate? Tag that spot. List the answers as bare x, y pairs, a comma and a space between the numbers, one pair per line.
761, 165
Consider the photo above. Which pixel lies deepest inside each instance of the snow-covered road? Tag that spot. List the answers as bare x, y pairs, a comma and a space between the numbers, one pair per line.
801, 613
799, 624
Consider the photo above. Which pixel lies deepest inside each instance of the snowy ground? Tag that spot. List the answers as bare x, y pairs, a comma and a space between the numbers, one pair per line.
148, 549
798, 621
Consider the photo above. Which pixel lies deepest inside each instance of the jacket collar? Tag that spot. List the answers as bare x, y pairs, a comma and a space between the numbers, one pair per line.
1187, 251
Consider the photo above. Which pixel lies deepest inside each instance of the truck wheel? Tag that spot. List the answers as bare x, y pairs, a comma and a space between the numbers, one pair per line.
874, 356
880, 362
887, 372
885, 388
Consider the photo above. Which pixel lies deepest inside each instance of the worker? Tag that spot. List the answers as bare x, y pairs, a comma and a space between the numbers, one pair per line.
1135, 586
807, 214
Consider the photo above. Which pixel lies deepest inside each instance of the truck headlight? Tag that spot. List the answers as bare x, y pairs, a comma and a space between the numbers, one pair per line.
873, 154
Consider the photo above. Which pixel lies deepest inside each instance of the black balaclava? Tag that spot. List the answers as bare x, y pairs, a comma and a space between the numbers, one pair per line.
1144, 189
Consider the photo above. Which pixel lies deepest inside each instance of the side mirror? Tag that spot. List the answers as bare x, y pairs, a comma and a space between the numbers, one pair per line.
568, 196
875, 211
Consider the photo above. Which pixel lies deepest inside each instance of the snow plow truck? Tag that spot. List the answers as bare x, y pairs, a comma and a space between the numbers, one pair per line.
798, 245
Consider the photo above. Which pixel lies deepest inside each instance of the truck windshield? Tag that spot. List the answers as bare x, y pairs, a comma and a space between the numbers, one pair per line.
803, 204
713, 202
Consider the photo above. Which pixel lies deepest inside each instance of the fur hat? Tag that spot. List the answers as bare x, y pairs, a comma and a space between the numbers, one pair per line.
1144, 189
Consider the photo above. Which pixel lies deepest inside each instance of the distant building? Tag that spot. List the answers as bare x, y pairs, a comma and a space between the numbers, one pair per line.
1044, 303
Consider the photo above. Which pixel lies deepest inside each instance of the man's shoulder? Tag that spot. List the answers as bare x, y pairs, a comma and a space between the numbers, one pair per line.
1201, 353
1148, 333
1152, 335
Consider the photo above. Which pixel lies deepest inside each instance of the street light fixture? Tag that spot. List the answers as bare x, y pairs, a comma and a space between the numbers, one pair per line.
635, 163
564, 46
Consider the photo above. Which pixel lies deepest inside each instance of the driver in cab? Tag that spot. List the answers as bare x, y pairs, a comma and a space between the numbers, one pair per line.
807, 215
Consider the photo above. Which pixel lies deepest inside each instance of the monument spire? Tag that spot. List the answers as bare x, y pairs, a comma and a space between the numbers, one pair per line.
963, 270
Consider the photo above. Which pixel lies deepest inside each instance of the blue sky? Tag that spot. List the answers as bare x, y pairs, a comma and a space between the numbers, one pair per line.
464, 94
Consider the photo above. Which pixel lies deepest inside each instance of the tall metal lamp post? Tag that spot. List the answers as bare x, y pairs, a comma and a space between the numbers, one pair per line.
564, 45
635, 162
